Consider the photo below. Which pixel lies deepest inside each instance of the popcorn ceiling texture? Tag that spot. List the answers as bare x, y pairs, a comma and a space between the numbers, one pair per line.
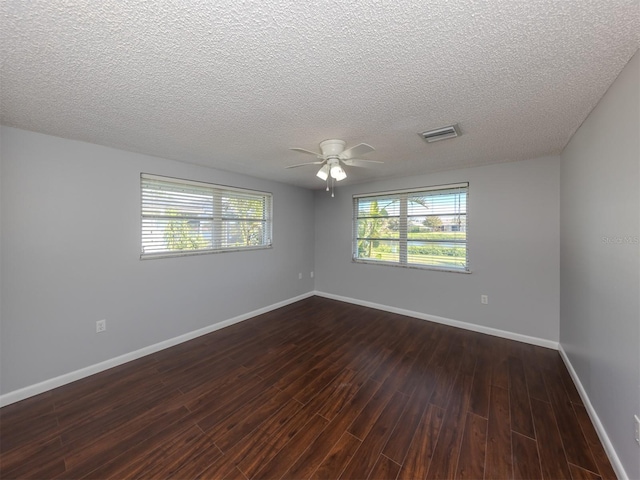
234, 83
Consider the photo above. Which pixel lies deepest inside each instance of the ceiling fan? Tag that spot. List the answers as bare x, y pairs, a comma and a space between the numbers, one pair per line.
333, 156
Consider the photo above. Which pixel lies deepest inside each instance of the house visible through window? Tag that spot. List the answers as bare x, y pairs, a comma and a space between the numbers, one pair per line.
181, 217
424, 228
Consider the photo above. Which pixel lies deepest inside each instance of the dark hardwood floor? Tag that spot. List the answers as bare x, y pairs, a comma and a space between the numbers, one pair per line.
317, 389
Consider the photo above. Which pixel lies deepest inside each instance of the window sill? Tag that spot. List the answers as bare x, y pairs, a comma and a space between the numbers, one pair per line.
415, 267
153, 256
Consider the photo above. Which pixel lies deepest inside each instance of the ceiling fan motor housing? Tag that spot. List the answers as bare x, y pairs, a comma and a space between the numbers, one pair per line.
332, 148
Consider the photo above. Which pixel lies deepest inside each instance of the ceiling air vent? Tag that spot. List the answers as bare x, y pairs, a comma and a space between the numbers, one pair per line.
443, 133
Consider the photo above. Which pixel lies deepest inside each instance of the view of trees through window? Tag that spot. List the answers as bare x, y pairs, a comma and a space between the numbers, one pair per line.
182, 234
180, 216
419, 228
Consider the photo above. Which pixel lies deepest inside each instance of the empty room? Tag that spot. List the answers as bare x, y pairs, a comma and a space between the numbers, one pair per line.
320, 240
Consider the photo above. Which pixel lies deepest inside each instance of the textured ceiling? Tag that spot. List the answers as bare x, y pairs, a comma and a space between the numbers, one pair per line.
234, 83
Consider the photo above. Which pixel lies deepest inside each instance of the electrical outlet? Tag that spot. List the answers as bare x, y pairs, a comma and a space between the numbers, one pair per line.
101, 326
484, 299
300, 276
311, 274
637, 423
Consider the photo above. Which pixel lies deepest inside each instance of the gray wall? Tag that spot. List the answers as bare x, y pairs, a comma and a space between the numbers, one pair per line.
600, 268
513, 221
70, 256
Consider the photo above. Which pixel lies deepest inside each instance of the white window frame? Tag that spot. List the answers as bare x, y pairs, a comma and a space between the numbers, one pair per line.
402, 241
154, 216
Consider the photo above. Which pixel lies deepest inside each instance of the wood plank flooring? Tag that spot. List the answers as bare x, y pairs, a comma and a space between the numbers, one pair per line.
319, 389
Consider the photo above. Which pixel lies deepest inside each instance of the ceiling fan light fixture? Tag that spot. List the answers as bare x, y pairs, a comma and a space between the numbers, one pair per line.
323, 173
332, 158
338, 173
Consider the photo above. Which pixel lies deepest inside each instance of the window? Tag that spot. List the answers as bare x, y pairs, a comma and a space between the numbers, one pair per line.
182, 217
423, 228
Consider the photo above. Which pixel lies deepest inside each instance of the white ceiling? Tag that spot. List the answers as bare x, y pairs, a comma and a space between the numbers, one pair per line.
234, 83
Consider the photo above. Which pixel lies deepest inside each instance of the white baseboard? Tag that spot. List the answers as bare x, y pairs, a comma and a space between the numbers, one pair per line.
446, 321
32, 390
604, 438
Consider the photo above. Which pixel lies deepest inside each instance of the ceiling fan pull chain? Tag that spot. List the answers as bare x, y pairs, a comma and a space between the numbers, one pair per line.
333, 184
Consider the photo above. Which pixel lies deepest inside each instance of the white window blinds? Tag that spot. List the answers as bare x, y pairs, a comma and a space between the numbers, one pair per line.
183, 217
425, 228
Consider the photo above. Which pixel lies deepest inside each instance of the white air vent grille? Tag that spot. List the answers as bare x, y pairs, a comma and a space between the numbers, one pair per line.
443, 133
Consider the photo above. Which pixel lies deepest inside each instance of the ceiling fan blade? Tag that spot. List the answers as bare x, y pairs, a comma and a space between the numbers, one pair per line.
308, 152
355, 162
303, 164
361, 149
